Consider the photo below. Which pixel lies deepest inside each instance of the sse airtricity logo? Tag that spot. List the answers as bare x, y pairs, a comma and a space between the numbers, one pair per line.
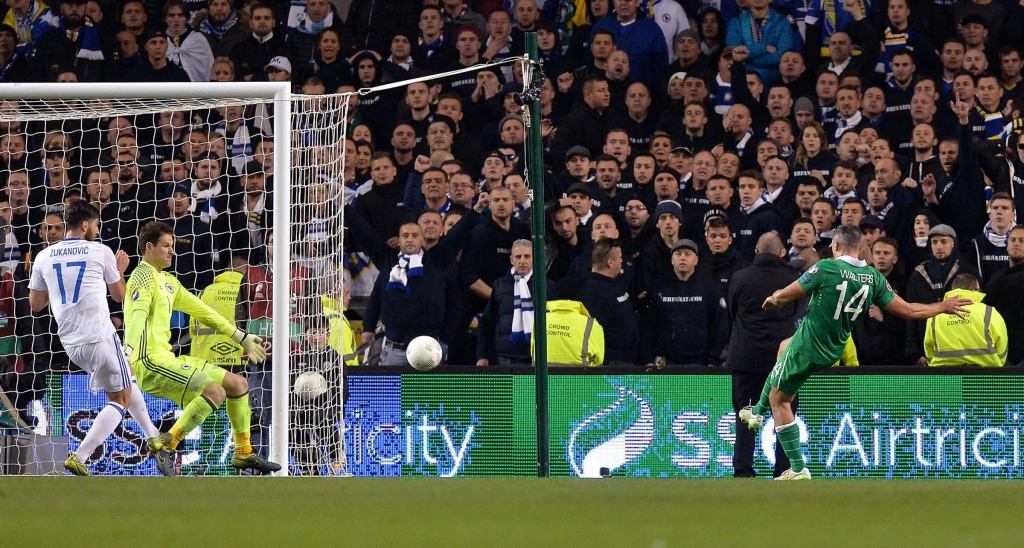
619, 450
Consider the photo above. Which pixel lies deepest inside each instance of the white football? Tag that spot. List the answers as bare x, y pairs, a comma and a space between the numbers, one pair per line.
424, 353
310, 385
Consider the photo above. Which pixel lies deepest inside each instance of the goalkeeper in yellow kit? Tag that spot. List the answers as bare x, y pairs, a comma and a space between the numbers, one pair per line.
197, 386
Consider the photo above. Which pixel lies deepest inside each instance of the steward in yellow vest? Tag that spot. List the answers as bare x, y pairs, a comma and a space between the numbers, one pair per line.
980, 339
207, 343
574, 338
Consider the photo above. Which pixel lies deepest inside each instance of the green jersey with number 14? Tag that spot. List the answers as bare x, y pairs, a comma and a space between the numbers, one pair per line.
841, 292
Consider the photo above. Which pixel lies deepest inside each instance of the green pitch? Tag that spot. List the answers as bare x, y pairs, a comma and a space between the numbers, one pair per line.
256, 512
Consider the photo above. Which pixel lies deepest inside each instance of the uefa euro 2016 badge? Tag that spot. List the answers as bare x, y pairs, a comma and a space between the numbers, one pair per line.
135, 295
169, 288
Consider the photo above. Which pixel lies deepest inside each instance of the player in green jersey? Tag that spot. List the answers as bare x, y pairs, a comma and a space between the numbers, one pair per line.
197, 386
841, 290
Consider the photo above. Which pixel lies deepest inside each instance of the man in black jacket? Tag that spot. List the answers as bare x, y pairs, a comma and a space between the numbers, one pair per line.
721, 262
610, 305
503, 336
756, 335
416, 298
987, 251
1005, 292
758, 215
684, 317
384, 205
880, 337
77, 45
255, 52
587, 123
374, 24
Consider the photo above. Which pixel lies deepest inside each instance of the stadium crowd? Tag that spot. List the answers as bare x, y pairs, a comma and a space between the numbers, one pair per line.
677, 135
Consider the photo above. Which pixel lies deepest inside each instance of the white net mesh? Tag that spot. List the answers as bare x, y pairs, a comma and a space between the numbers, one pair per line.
206, 168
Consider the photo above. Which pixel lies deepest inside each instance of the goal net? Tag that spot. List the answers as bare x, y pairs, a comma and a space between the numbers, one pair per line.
213, 162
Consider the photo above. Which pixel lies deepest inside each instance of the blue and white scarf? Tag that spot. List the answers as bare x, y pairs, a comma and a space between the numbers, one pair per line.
522, 314
742, 144
209, 28
299, 20
747, 210
409, 266
995, 239
839, 199
91, 48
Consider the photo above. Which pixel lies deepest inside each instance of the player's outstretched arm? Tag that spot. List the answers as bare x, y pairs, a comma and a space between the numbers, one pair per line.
785, 295
917, 311
118, 288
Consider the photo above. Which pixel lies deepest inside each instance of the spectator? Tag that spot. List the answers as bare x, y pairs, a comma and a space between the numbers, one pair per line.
314, 420
880, 338
250, 216
930, 281
507, 322
987, 253
766, 35
681, 307
1004, 292
252, 54
186, 48
193, 239
655, 259
720, 262
758, 216
374, 24
306, 23
73, 42
221, 28
756, 336
383, 205
978, 338
564, 245
640, 38
157, 67
416, 298
12, 62
457, 13
610, 305
28, 20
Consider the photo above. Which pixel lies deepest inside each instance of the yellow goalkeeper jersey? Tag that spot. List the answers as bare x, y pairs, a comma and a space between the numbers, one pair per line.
151, 297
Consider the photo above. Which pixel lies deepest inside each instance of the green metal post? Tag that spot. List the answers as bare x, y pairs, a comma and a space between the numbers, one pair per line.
535, 154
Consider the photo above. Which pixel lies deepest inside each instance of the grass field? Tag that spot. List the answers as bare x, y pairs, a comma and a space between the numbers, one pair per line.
256, 512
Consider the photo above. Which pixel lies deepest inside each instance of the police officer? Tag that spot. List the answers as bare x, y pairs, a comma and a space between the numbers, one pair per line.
756, 335
574, 337
684, 317
979, 338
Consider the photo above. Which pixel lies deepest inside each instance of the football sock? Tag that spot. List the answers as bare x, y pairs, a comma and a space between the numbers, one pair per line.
789, 436
137, 409
763, 406
102, 426
194, 414
240, 415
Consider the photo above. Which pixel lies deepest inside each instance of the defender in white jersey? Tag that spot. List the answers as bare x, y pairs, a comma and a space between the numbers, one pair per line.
73, 276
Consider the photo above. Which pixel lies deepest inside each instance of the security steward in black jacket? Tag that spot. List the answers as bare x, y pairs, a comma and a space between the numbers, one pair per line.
684, 317
756, 335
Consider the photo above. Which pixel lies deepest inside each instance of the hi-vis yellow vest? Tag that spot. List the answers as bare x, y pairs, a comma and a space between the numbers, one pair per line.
340, 336
978, 339
207, 344
574, 337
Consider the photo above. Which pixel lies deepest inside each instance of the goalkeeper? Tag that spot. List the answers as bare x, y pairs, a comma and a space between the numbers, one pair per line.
199, 387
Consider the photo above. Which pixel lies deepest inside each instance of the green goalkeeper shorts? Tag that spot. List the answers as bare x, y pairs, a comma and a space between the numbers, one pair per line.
792, 371
179, 379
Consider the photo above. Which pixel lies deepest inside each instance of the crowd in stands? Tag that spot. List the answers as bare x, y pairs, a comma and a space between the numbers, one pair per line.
675, 135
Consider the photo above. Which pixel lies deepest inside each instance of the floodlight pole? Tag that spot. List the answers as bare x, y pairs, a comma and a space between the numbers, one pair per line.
535, 156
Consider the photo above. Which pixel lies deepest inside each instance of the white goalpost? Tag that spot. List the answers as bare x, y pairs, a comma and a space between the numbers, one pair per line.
61, 106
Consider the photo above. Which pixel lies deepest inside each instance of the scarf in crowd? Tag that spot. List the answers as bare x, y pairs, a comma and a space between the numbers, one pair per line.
997, 240
753, 207
209, 28
794, 253
91, 48
742, 144
305, 25
723, 96
409, 266
828, 234
203, 202
843, 123
839, 199
921, 241
433, 46
522, 314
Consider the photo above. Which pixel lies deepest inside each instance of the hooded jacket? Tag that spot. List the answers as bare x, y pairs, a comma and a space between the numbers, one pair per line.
927, 284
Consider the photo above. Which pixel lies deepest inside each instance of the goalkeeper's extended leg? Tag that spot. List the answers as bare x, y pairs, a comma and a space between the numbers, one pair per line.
240, 415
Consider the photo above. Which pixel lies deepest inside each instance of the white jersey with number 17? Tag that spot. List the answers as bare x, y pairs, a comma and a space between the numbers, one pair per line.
76, 272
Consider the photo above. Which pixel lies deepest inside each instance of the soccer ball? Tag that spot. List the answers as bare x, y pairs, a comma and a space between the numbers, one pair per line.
424, 353
310, 385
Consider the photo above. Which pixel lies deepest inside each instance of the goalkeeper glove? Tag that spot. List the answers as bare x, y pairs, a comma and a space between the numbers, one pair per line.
252, 344
128, 350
